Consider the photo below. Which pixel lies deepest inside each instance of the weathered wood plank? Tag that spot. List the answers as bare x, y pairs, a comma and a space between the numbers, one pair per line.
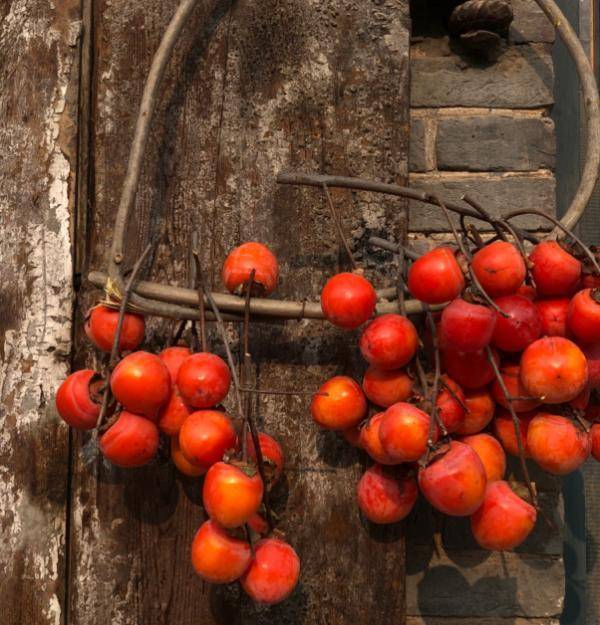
38, 107
281, 84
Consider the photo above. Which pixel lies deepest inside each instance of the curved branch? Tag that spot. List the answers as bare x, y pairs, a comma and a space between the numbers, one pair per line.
165, 300
592, 112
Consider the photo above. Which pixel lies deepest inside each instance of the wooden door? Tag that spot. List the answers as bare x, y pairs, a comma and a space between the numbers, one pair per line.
254, 88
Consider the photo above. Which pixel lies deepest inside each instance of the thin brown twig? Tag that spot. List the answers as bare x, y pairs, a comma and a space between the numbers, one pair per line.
467, 255
515, 419
484, 213
390, 246
114, 352
437, 373
246, 371
454, 395
521, 247
338, 225
238, 397
558, 224
269, 391
178, 333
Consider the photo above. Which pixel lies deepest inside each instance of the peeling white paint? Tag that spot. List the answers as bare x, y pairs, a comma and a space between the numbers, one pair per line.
38, 252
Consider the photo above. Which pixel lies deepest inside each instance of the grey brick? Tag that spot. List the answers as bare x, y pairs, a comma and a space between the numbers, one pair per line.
522, 77
530, 23
495, 143
498, 193
417, 155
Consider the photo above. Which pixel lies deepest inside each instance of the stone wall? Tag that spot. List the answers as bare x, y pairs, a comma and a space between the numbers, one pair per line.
485, 129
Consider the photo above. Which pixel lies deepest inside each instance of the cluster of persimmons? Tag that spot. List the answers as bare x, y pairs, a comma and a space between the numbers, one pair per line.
509, 364
179, 393
516, 373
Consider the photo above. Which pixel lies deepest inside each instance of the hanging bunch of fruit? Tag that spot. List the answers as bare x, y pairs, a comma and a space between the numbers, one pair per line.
503, 357
178, 393
497, 352
509, 365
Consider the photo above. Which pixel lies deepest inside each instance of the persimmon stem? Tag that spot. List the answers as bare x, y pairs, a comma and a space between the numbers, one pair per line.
338, 225
178, 333
558, 224
515, 420
468, 256
236, 388
270, 391
246, 370
114, 353
437, 374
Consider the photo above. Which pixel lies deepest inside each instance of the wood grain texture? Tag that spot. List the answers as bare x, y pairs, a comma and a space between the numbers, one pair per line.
38, 104
293, 84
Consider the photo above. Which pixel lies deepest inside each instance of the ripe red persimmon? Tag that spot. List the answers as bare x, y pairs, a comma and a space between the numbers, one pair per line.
217, 557
389, 342
370, 440
512, 380
182, 463
436, 277
500, 268
472, 370
454, 481
203, 380
77, 399
238, 267
272, 456
141, 383
554, 270
504, 430
467, 327
504, 520
385, 387
173, 357
557, 444
348, 300
583, 317
490, 453
273, 573
553, 315
522, 326
339, 404
231, 494
130, 441
385, 495
205, 436
403, 431
450, 402
101, 327
173, 414
554, 369
480, 411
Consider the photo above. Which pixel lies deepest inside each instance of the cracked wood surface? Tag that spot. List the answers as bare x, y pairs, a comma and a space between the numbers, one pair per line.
292, 84
38, 74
